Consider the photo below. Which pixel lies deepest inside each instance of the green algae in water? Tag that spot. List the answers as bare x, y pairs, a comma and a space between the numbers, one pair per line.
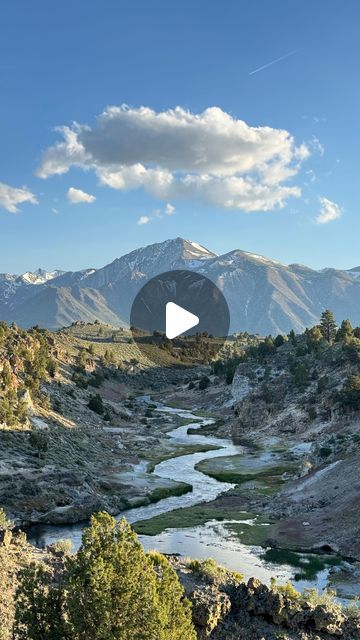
309, 565
255, 533
189, 517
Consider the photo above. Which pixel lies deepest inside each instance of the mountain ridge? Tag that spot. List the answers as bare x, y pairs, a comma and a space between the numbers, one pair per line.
264, 295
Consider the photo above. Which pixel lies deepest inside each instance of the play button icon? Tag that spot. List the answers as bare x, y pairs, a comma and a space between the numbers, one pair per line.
178, 320
179, 316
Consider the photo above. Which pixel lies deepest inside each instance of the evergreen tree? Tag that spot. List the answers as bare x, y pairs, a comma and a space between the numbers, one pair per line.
350, 394
112, 591
345, 332
96, 404
6, 411
266, 347
314, 334
52, 368
39, 611
314, 338
301, 375
108, 358
6, 377
13, 553
174, 609
5, 524
279, 340
204, 383
82, 358
328, 325
39, 441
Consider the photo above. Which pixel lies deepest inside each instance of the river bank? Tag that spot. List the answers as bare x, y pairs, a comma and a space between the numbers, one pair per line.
215, 519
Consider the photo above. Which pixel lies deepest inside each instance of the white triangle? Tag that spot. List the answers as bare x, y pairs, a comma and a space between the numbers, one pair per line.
178, 320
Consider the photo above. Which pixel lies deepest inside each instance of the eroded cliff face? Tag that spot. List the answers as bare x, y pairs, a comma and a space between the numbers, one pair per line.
291, 402
241, 385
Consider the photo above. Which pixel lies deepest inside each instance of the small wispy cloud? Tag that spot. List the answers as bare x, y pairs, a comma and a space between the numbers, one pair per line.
270, 64
12, 197
169, 209
76, 196
311, 175
317, 146
315, 119
318, 119
144, 220
329, 211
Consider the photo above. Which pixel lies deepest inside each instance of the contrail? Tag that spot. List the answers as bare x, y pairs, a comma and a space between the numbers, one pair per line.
269, 64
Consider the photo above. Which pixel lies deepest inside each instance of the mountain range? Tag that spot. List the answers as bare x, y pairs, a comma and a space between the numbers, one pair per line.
264, 296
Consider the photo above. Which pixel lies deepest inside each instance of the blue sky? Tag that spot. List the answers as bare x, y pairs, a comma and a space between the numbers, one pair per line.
68, 62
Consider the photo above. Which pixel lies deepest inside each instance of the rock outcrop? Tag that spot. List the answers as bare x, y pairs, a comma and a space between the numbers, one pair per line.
226, 609
210, 606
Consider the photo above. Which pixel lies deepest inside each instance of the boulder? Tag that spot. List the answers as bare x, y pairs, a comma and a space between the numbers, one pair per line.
210, 606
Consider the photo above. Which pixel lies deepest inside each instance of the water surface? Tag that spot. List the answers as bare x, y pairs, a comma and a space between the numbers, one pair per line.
212, 539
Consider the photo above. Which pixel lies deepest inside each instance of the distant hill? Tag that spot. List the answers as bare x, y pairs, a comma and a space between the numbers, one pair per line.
264, 296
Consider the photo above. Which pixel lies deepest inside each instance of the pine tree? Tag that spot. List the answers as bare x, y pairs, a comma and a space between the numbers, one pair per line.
345, 332
112, 592
314, 338
328, 325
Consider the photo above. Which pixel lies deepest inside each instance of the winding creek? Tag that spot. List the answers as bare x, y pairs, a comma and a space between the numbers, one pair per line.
212, 539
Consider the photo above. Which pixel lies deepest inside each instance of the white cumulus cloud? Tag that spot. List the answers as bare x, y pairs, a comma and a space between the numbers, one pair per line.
144, 220
11, 197
75, 196
329, 211
211, 156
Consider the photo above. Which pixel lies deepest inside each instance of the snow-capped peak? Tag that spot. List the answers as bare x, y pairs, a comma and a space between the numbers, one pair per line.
263, 259
194, 251
199, 248
40, 276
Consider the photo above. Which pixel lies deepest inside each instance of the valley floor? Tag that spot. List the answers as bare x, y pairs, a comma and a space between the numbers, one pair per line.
284, 483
